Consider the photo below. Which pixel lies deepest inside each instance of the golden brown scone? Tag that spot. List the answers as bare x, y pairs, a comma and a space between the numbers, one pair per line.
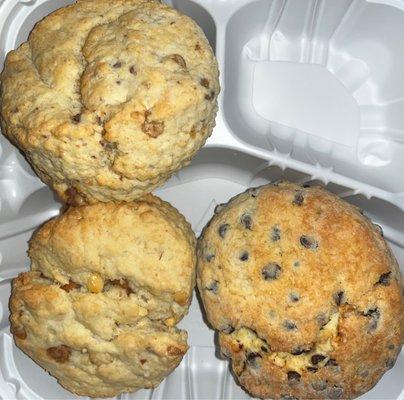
108, 98
304, 291
108, 284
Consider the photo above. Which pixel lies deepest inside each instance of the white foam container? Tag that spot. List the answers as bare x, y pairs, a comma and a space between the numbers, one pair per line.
312, 90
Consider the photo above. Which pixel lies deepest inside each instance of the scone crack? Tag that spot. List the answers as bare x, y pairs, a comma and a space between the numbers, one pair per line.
305, 358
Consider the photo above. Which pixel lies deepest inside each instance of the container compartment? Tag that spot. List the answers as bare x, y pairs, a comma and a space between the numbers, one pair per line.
214, 176
279, 60
320, 81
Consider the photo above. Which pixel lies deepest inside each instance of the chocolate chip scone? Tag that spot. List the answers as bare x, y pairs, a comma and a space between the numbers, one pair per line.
108, 284
304, 292
108, 98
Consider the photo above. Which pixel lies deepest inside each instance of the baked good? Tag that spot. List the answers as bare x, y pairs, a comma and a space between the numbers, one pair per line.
108, 284
304, 292
108, 98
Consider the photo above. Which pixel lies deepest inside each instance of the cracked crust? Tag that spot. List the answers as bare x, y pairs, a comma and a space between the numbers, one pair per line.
304, 292
108, 99
109, 282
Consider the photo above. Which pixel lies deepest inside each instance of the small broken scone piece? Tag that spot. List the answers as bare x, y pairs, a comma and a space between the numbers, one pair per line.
304, 292
109, 283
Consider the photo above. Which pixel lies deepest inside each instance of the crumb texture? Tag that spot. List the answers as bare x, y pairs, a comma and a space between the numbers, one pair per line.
109, 282
108, 99
304, 291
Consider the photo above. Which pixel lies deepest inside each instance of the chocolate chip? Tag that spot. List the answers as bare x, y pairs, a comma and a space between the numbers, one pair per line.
319, 386
253, 192
335, 392
244, 256
60, 354
197, 47
209, 257
293, 377
275, 234
253, 359
308, 242
143, 361
322, 319
205, 83
117, 65
298, 199
374, 315
296, 264
391, 347
227, 329
294, 297
331, 363
98, 120
210, 96
287, 397
390, 363
385, 279
223, 230
109, 146
213, 287
118, 82
299, 350
271, 271
132, 70
178, 59
379, 229
76, 118
246, 221
70, 286
289, 325
339, 298
312, 369
363, 373
317, 358
264, 349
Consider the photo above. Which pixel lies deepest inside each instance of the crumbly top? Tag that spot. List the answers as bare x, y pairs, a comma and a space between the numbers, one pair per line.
108, 98
287, 273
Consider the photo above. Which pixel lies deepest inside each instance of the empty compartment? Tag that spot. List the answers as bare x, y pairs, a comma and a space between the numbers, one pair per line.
320, 81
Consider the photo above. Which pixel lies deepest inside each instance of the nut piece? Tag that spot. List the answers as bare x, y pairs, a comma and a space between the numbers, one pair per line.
178, 60
70, 286
174, 351
170, 322
153, 128
95, 284
60, 354
19, 332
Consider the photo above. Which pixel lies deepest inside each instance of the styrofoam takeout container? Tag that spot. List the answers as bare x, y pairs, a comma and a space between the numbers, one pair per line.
312, 91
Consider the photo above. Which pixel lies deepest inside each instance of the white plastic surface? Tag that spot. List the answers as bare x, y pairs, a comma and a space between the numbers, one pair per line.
312, 91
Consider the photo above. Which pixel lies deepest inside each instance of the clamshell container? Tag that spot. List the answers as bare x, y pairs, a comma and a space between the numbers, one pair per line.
312, 92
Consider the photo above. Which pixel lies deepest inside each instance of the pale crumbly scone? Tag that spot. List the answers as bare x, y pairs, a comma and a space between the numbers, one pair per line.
108, 98
305, 293
108, 284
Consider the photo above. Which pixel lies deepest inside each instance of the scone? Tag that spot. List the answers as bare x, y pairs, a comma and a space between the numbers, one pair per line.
108, 284
108, 98
304, 292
